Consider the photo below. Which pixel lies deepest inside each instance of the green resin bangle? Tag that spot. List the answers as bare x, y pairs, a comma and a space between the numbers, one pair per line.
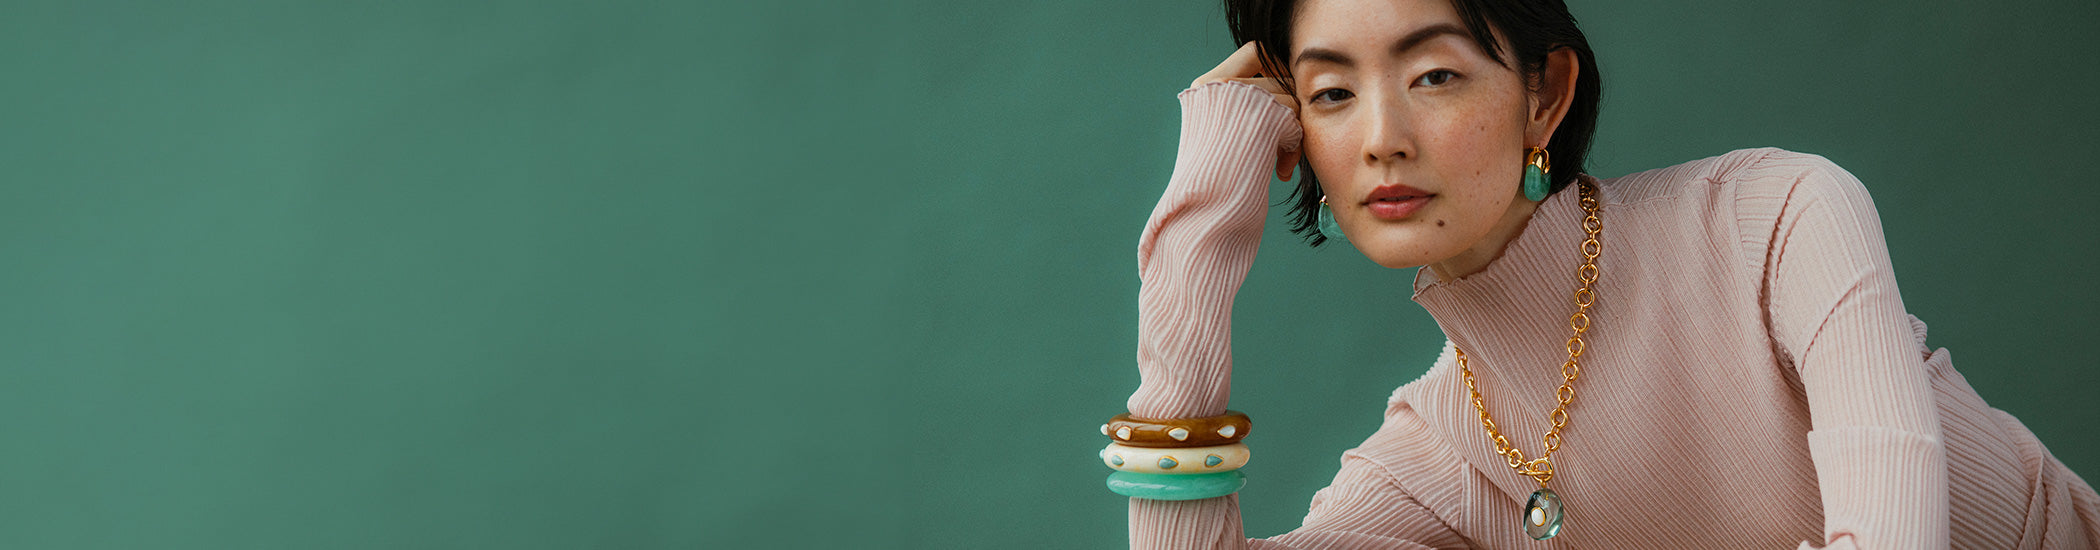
1176, 486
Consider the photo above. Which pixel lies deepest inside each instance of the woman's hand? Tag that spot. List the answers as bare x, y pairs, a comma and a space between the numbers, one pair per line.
1244, 65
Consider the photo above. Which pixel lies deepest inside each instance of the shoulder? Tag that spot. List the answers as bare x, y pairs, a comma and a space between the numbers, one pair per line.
1446, 360
1759, 194
1740, 175
1785, 198
1407, 451
1404, 448
1405, 442
1778, 181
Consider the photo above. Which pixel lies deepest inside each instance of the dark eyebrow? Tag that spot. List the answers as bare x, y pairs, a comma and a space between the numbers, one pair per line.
1400, 47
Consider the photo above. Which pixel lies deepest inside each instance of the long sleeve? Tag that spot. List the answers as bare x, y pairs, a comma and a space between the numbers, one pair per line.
1198, 244
1193, 255
1366, 507
1361, 510
1835, 310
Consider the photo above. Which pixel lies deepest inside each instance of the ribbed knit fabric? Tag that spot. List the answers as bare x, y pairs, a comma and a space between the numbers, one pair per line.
1751, 381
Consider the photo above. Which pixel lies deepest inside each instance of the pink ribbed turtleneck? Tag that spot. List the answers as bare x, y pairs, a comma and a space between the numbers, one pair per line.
1752, 378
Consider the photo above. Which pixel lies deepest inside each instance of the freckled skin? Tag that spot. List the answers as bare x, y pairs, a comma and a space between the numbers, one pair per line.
1460, 135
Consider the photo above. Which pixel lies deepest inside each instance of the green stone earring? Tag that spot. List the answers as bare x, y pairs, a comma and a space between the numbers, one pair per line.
1328, 228
1536, 168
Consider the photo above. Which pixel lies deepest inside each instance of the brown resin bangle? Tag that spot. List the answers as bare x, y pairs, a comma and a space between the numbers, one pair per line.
1225, 429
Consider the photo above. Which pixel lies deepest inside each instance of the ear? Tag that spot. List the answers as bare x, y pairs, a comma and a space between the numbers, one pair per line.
1556, 93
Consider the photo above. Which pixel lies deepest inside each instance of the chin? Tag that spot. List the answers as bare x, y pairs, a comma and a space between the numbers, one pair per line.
1393, 262
1397, 249
1413, 241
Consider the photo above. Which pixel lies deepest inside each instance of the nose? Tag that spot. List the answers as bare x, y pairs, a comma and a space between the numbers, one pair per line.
1388, 138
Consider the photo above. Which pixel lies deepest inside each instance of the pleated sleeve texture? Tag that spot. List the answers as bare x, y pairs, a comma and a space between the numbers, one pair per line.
1835, 312
1198, 243
1192, 257
1194, 253
1809, 244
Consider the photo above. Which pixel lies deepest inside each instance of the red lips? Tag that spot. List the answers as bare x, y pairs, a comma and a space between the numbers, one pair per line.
1394, 191
1396, 202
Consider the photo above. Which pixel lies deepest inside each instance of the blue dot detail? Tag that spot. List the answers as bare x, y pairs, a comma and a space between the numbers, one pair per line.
1212, 460
1167, 463
1115, 459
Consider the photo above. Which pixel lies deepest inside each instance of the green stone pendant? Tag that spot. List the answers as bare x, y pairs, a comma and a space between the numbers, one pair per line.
1542, 515
1328, 227
1536, 184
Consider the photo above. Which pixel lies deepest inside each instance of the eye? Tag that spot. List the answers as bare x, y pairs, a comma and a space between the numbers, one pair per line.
1436, 78
1343, 94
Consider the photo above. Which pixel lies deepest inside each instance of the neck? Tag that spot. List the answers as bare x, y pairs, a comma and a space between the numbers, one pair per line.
1477, 257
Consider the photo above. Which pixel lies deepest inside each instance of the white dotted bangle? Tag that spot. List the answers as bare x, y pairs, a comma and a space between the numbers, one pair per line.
1182, 460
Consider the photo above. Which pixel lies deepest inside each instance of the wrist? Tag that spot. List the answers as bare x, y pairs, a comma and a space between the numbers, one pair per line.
1229, 113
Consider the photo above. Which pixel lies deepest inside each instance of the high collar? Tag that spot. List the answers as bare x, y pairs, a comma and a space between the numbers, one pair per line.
1515, 310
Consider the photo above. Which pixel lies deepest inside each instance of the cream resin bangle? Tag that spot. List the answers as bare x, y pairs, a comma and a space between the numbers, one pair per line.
1180, 460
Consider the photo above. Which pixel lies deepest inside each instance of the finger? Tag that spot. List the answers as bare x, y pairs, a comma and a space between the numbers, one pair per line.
1244, 62
1287, 164
1228, 68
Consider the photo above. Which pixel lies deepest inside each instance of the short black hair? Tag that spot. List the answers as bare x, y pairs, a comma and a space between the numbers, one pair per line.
1532, 27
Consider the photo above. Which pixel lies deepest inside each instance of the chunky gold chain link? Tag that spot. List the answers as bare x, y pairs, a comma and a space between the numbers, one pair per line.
1541, 468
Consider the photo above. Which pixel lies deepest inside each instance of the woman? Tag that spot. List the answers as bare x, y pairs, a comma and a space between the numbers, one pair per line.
1747, 374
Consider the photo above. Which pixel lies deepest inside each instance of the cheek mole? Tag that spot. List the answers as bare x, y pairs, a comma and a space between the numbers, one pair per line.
1440, 223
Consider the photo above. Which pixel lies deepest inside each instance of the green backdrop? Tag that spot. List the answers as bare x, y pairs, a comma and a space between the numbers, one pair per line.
444, 274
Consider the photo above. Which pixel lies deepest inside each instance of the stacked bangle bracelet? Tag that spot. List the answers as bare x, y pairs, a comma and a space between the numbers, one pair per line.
1224, 429
1178, 459
1191, 460
1176, 486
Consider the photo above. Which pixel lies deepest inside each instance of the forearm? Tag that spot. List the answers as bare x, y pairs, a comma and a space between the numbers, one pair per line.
1198, 244
1194, 253
1836, 311
1207, 524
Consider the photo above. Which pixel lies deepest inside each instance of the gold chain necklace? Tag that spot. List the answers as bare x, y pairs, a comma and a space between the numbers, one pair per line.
1543, 514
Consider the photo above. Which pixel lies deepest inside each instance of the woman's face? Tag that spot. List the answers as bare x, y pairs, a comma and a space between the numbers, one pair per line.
1394, 94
